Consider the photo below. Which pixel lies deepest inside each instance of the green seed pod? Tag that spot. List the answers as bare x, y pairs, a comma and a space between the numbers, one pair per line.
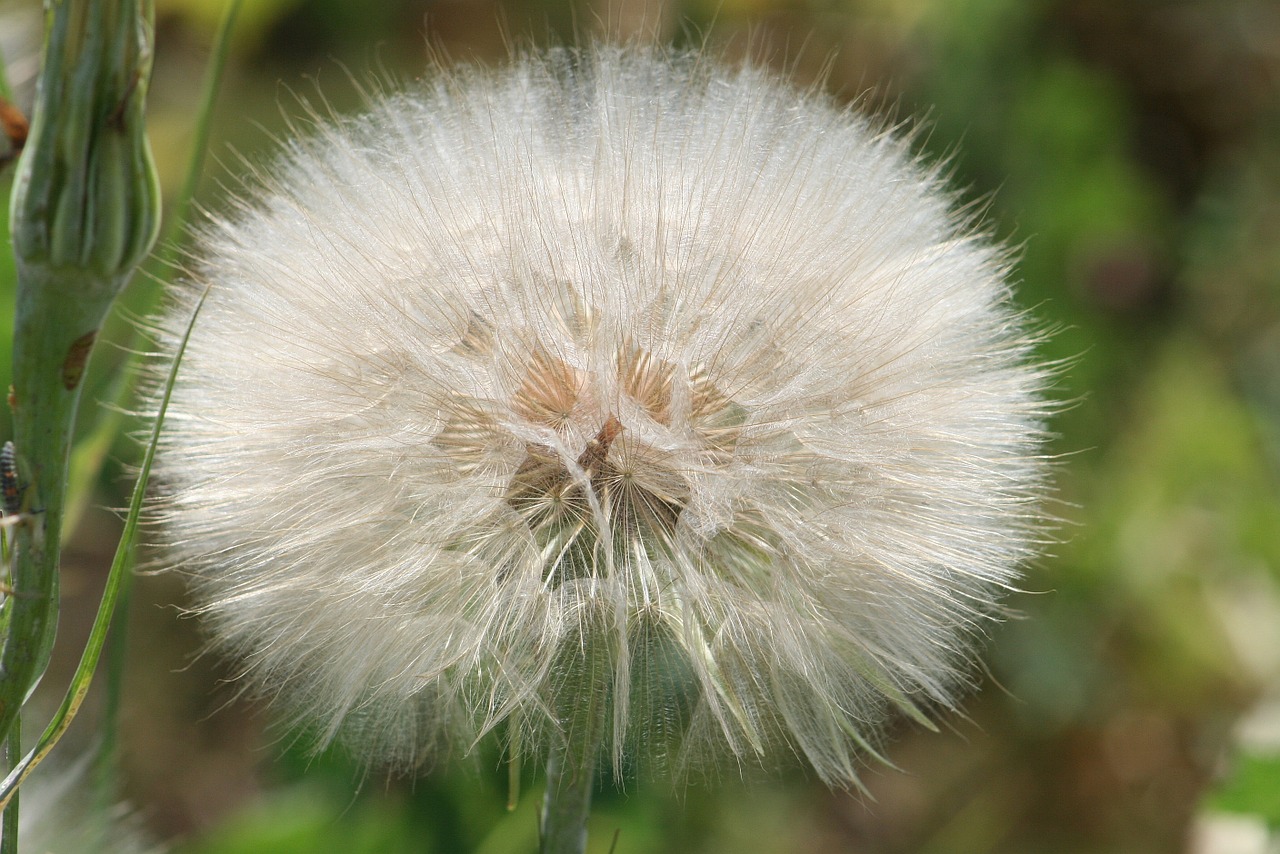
87, 195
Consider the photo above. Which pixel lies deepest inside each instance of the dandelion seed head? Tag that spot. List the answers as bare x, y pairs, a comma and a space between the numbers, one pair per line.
610, 356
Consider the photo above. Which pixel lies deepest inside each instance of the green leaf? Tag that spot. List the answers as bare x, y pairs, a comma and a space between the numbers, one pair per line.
1252, 788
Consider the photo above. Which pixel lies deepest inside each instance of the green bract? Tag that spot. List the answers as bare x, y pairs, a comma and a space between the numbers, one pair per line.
87, 195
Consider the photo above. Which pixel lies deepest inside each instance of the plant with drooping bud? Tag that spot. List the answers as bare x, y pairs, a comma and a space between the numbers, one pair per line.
635, 402
83, 215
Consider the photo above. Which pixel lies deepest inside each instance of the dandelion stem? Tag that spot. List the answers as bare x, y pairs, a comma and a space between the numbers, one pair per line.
570, 780
582, 710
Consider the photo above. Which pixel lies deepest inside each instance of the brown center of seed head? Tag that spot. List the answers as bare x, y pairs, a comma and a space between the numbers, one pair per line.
597, 450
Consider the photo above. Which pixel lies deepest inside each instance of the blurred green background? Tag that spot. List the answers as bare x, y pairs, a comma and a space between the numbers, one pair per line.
1132, 151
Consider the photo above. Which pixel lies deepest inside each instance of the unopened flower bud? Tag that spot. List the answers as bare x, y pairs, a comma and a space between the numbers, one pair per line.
87, 196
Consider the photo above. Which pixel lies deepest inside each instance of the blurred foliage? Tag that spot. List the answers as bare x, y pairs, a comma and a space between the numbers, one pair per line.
1131, 150
1254, 787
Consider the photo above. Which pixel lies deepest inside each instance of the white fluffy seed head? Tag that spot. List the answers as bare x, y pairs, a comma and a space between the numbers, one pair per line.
617, 376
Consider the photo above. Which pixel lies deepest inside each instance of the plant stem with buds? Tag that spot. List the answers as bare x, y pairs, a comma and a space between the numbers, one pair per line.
85, 211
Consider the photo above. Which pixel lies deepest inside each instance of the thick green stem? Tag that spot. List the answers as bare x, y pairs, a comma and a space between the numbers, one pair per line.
583, 712
84, 213
570, 782
53, 337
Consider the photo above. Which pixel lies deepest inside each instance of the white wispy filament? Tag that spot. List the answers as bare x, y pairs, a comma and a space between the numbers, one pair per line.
613, 377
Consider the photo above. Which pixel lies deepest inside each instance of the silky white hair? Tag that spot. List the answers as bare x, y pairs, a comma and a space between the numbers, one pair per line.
61, 814
616, 376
